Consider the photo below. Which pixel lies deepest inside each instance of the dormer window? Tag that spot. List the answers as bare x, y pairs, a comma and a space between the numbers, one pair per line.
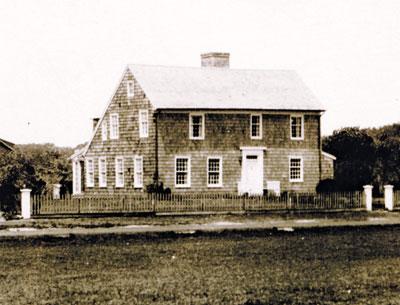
296, 127
196, 126
130, 88
256, 126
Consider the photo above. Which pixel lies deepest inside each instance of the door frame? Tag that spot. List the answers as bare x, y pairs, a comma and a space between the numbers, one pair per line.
259, 188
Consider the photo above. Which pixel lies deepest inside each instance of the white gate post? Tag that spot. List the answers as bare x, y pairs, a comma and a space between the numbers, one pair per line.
56, 191
389, 197
26, 203
368, 196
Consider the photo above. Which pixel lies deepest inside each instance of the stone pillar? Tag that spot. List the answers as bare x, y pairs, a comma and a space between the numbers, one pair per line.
26, 203
389, 197
56, 191
368, 196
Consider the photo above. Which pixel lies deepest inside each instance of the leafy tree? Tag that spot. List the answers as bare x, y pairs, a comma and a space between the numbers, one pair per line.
355, 151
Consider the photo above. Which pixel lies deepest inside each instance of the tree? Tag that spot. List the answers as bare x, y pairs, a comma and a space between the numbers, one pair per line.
355, 151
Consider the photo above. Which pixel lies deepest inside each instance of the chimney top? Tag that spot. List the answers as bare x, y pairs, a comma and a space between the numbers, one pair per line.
215, 59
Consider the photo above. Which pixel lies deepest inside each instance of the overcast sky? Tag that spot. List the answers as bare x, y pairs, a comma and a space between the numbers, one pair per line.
61, 60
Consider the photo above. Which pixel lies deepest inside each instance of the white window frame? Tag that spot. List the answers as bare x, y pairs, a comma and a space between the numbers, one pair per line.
301, 179
143, 121
259, 137
89, 174
104, 131
118, 183
220, 172
302, 127
136, 172
188, 183
103, 182
191, 115
130, 88
114, 135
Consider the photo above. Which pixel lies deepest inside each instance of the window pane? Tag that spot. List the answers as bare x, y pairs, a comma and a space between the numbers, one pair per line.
182, 171
197, 126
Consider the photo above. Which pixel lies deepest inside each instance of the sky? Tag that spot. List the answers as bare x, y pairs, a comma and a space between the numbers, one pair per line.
60, 61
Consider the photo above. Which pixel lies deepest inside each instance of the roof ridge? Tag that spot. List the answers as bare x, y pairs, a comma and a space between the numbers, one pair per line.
212, 68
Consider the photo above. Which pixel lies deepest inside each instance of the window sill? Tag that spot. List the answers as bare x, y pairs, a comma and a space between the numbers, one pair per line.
181, 186
297, 139
214, 186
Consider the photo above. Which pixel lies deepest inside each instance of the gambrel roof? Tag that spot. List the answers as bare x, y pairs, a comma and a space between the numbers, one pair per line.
224, 88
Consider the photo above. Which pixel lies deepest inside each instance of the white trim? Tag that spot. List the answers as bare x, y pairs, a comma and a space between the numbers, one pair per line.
253, 148
101, 182
220, 172
188, 184
301, 179
328, 155
117, 184
89, 183
76, 177
104, 130
130, 94
302, 126
143, 133
203, 122
135, 177
116, 135
244, 111
259, 137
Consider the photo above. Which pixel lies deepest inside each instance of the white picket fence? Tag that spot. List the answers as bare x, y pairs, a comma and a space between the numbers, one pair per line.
194, 203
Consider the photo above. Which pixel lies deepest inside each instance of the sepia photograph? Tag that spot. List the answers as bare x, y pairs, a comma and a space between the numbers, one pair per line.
241, 152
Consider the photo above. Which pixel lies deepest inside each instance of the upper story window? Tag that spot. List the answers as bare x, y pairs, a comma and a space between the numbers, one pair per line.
102, 172
143, 123
196, 126
130, 88
214, 172
182, 172
114, 126
104, 130
295, 169
296, 127
89, 172
119, 172
256, 126
138, 168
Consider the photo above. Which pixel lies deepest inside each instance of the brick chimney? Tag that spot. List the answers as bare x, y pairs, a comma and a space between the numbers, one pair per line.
215, 59
95, 121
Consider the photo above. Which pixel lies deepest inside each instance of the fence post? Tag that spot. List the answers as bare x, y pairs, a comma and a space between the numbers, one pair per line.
26, 203
389, 197
368, 196
56, 191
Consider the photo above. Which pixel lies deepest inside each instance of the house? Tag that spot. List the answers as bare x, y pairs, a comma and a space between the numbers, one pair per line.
205, 129
5, 146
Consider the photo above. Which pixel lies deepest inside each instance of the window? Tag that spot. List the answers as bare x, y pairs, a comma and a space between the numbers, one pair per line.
104, 130
296, 127
295, 169
182, 172
138, 177
114, 126
89, 173
196, 127
256, 126
130, 88
143, 123
214, 172
119, 172
102, 172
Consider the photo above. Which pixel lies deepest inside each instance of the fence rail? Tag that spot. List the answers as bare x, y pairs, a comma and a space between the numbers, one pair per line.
396, 199
193, 203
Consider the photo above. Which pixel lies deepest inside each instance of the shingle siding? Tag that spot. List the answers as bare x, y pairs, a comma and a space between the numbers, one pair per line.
225, 133
128, 144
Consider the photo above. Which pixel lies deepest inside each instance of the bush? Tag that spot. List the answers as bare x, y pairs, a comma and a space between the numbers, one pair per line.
327, 185
157, 187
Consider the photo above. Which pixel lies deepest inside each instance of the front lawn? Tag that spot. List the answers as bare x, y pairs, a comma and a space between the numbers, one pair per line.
324, 266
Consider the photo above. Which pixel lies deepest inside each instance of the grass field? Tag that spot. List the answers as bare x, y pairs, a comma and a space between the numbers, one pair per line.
324, 266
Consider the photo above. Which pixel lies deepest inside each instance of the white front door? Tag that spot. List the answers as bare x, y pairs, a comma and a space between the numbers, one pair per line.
252, 171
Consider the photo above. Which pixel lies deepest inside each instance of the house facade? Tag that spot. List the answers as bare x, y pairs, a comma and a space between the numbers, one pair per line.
206, 129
